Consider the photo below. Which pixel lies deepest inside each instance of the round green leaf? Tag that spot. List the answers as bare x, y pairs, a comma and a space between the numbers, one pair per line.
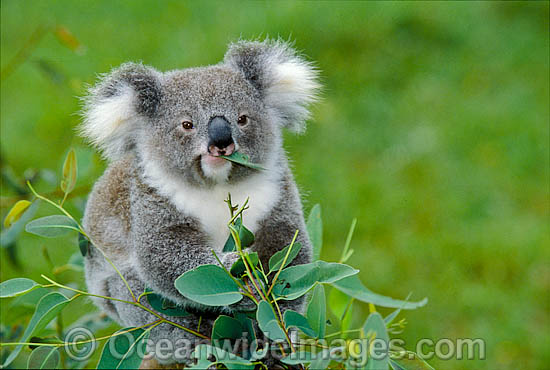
267, 321
226, 327
239, 268
17, 286
295, 281
297, 320
44, 358
51, 226
209, 285
123, 351
165, 306
245, 236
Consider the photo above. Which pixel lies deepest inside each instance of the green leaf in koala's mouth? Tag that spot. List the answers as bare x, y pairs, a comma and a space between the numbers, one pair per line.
243, 160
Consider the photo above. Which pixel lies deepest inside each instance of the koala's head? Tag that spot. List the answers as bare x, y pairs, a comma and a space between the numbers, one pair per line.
181, 121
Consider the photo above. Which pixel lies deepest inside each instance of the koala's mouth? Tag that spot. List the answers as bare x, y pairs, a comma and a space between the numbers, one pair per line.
212, 168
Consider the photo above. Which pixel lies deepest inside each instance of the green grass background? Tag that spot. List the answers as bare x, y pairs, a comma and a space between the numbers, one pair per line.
433, 131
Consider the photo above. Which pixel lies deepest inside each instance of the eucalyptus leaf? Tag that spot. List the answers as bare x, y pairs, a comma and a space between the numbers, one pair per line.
29, 300
44, 358
353, 287
276, 260
127, 348
297, 320
341, 305
9, 236
239, 268
16, 287
164, 305
315, 230
295, 281
375, 325
248, 328
51, 226
16, 212
406, 360
226, 327
46, 310
267, 321
317, 312
245, 236
321, 360
208, 285
69, 172
233, 362
243, 160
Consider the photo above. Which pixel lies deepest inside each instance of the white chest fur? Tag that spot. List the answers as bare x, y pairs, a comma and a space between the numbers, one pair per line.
208, 206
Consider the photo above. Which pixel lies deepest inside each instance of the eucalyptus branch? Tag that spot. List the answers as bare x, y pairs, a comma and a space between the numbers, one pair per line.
146, 293
283, 263
235, 280
341, 332
235, 236
133, 303
282, 325
83, 232
53, 204
239, 211
63, 344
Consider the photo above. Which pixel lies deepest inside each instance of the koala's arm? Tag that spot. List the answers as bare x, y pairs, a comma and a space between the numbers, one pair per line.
277, 230
167, 243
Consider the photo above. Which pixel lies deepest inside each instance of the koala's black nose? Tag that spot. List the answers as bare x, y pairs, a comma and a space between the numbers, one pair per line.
220, 141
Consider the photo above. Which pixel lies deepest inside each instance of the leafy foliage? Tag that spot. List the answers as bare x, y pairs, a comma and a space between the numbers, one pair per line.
209, 285
212, 285
15, 287
243, 160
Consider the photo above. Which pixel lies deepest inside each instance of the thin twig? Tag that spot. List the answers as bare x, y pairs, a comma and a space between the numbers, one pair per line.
83, 232
134, 303
282, 264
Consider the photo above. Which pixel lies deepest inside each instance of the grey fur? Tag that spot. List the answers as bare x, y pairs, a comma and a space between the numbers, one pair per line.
133, 220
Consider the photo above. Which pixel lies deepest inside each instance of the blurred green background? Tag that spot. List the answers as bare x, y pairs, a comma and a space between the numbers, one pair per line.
433, 131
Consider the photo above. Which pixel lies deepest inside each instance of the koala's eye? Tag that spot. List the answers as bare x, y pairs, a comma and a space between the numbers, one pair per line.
187, 125
243, 119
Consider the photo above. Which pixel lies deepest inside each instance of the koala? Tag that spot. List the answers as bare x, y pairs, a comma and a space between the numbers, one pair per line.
159, 210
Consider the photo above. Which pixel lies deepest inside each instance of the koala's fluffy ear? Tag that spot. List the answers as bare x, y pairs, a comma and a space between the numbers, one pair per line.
116, 106
286, 82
